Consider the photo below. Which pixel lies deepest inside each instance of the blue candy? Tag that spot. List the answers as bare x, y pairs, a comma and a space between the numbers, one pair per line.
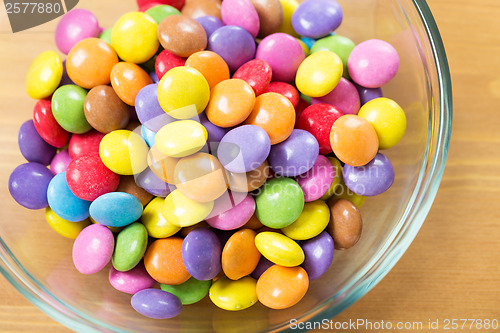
63, 202
116, 209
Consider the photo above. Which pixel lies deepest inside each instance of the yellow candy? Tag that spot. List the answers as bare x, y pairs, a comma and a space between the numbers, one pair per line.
183, 92
181, 138
388, 119
311, 222
234, 295
343, 192
289, 7
155, 222
307, 52
63, 227
181, 211
44, 75
279, 249
113, 229
336, 180
124, 152
134, 37
319, 74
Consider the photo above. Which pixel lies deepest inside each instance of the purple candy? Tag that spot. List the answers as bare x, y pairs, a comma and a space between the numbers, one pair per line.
32, 146
28, 185
372, 179
156, 303
317, 18
201, 254
318, 253
344, 97
131, 281
154, 77
234, 44
296, 155
148, 109
65, 77
316, 182
210, 24
149, 181
60, 162
367, 94
235, 217
262, 266
74, 26
244, 148
215, 133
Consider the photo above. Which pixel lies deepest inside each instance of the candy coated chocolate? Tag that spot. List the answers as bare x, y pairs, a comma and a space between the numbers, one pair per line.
182, 35
371, 179
345, 224
28, 185
104, 110
32, 146
234, 44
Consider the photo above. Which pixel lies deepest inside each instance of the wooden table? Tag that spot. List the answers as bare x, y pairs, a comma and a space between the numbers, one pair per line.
452, 269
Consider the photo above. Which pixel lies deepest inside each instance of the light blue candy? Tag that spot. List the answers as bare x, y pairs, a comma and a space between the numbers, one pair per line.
148, 135
116, 209
308, 41
63, 202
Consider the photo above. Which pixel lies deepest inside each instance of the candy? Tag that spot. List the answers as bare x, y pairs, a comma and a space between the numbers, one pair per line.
183, 92
340, 45
319, 74
257, 73
275, 114
231, 102
67, 107
182, 35
63, 202
318, 255
163, 261
209, 24
210, 65
134, 37
47, 126
181, 138
233, 295
282, 287
154, 221
296, 155
156, 304
354, 141
284, 53
317, 18
345, 223
181, 211
234, 44
249, 181
159, 13
367, 94
215, 133
106, 35
240, 255
75, 26
387, 118
116, 209
337, 180
316, 182
166, 61
235, 217
128, 185
289, 7
28, 185
279, 249
32, 146
177, 4
189, 292
148, 109
312, 221
81, 144
104, 110
262, 266
163, 166
244, 148
92, 249
241, 13
127, 79
149, 181
373, 63
270, 16
344, 97
124, 152
132, 281
44, 75
201, 254
64, 227
200, 8
371, 179
88, 178
131, 244
286, 90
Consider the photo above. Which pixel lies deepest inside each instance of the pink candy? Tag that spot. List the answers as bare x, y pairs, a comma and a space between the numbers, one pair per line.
242, 14
93, 248
317, 181
344, 97
131, 281
75, 26
234, 217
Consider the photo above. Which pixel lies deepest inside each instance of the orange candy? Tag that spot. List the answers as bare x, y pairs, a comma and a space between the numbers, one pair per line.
231, 102
252, 180
162, 166
354, 140
275, 114
200, 177
211, 65
127, 79
282, 287
163, 261
90, 62
240, 256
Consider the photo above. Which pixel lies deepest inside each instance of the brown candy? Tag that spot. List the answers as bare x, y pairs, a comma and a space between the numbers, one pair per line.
128, 185
253, 223
345, 223
199, 8
270, 16
186, 230
252, 180
182, 35
104, 110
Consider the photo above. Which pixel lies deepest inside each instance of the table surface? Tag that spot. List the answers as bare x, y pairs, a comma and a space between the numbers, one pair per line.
451, 270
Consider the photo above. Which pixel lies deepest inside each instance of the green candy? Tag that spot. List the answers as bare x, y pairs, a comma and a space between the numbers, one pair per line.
280, 203
131, 244
158, 13
340, 45
306, 98
67, 108
106, 35
190, 291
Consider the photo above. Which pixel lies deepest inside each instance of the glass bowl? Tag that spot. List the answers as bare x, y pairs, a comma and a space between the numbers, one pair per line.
37, 261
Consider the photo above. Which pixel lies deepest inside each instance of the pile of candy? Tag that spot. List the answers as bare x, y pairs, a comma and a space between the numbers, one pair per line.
253, 152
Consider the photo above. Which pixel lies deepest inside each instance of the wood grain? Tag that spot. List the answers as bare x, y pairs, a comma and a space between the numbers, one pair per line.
452, 268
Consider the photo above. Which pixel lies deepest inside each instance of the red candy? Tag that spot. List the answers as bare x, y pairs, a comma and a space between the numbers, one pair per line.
88, 178
318, 120
301, 106
166, 61
286, 90
148, 5
174, 3
257, 73
81, 144
47, 126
